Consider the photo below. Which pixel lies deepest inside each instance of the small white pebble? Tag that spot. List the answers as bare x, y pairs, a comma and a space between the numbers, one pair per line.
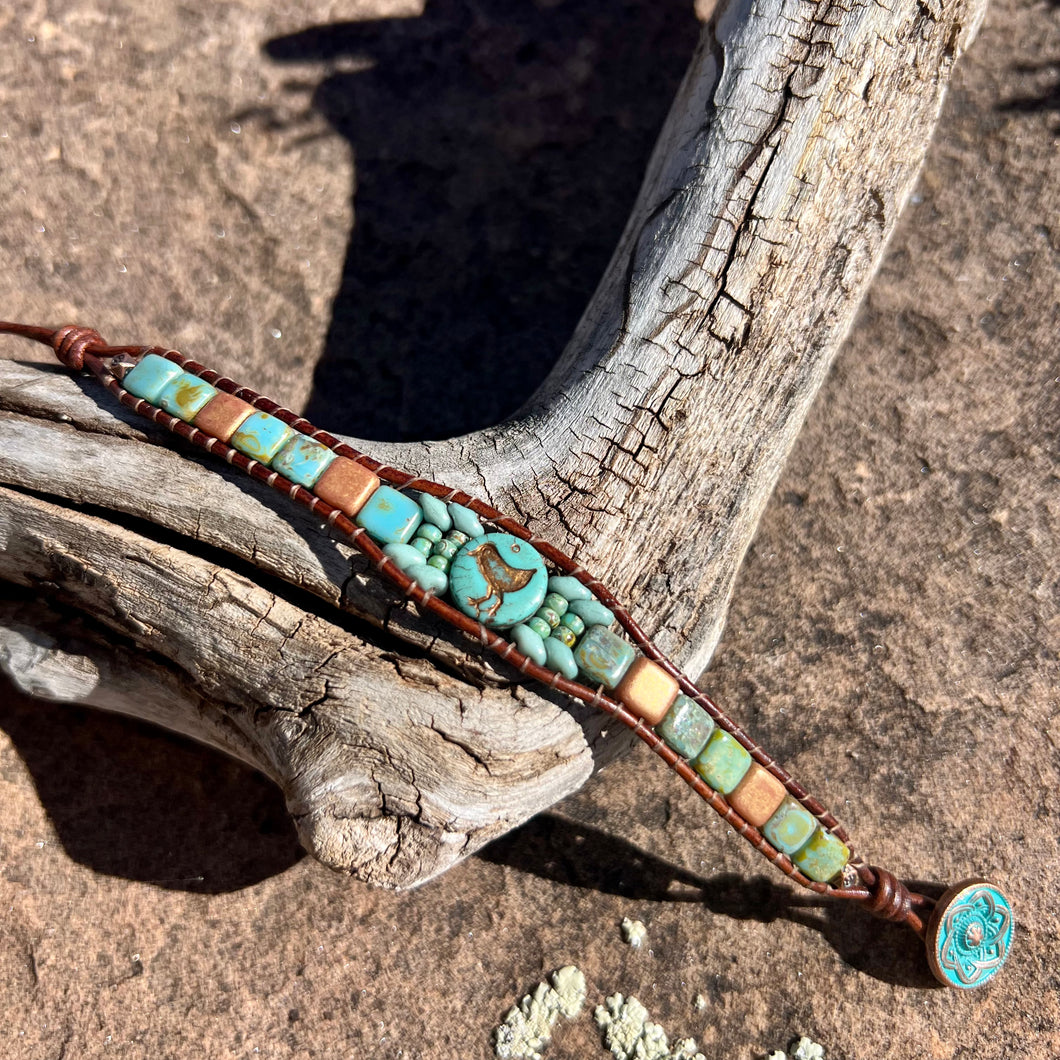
808, 1050
633, 931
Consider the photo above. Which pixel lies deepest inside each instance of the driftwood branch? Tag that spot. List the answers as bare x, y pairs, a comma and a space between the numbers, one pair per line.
649, 453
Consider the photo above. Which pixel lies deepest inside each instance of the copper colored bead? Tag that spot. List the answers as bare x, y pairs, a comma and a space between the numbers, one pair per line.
757, 796
221, 415
346, 485
647, 690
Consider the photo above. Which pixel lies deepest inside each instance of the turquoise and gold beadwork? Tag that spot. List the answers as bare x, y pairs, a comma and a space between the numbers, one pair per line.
498, 579
823, 856
723, 762
602, 656
790, 827
184, 395
686, 727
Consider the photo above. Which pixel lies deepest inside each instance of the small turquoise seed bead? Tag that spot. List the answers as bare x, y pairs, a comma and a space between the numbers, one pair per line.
389, 516
573, 623
560, 658
439, 562
435, 512
466, 521
429, 531
150, 377
790, 827
185, 395
564, 633
686, 727
539, 626
302, 460
723, 762
558, 603
445, 548
404, 556
823, 856
592, 612
422, 544
569, 588
261, 437
546, 614
458, 538
604, 657
529, 642
429, 578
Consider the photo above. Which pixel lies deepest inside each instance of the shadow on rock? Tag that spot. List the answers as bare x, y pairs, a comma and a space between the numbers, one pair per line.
498, 150
128, 800
576, 855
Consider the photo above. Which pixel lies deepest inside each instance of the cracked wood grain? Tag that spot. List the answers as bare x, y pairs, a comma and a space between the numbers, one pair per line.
649, 454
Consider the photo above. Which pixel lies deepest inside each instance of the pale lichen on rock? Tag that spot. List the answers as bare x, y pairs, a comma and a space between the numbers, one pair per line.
630, 1035
527, 1028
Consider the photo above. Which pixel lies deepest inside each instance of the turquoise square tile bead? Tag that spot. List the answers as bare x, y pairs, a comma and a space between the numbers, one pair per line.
823, 857
302, 460
184, 395
790, 827
261, 436
723, 762
604, 657
686, 727
390, 516
150, 377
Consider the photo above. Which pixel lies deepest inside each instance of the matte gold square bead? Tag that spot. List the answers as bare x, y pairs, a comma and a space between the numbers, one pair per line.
221, 415
346, 485
757, 796
648, 690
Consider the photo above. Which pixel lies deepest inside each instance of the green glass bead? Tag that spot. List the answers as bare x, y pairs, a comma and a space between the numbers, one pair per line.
565, 634
440, 562
302, 460
604, 657
558, 603
790, 827
458, 538
723, 762
539, 626
549, 616
560, 658
429, 578
445, 548
569, 588
592, 612
573, 623
465, 520
529, 642
686, 727
823, 856
435, 512
404, 556
422, 544
429, 531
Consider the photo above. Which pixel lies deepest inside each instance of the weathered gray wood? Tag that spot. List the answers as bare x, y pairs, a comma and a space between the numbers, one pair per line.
649, 454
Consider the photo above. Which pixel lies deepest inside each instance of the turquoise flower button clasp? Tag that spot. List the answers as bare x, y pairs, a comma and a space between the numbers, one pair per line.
498, 579
969, 934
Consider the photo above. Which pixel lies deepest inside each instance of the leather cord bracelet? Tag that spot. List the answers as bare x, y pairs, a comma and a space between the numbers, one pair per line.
525, 600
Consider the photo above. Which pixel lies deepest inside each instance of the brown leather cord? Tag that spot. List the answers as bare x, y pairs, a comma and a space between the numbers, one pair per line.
882, 893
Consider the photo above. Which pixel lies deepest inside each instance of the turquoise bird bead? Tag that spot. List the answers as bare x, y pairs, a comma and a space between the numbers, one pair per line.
498, 579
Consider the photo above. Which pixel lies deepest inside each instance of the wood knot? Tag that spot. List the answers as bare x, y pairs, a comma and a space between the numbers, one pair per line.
71, 342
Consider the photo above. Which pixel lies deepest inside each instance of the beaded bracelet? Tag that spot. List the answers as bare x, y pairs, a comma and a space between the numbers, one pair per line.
522, 598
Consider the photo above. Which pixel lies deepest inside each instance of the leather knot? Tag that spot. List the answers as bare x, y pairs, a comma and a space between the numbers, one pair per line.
889, 898
72, 342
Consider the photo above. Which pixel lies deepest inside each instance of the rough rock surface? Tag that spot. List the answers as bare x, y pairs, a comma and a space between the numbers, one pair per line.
166, 172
